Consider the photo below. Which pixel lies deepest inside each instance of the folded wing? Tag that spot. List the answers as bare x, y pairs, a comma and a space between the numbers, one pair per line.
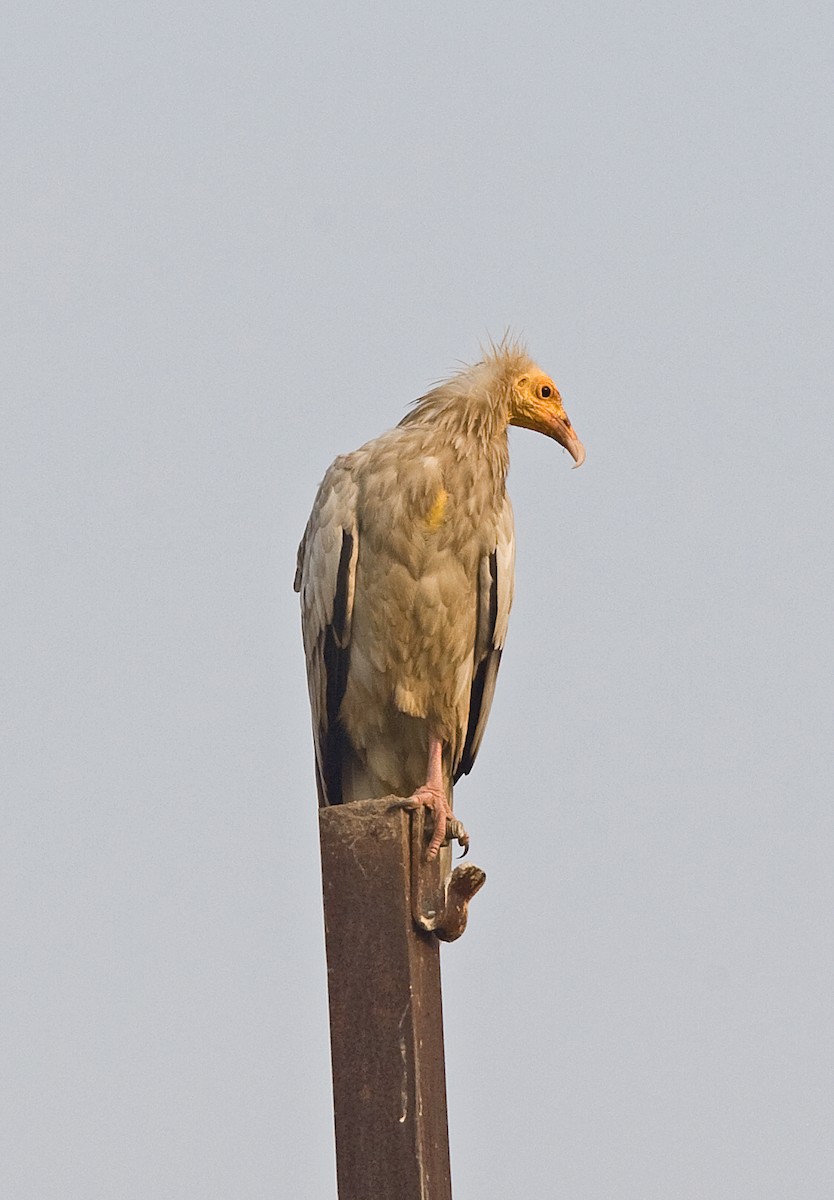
326, 577
495, 597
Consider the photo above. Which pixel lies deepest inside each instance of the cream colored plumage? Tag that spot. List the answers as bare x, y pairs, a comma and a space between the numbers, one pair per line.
406, 578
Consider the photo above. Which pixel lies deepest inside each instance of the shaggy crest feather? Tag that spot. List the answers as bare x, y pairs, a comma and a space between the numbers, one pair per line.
486, 383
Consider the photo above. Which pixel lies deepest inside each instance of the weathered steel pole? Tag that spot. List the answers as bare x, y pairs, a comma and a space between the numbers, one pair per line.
386, 1024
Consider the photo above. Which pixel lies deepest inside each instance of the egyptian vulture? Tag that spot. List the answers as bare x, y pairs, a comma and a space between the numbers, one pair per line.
406, 578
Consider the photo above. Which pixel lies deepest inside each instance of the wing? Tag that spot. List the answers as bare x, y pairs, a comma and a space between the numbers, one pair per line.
325, 577
496, 582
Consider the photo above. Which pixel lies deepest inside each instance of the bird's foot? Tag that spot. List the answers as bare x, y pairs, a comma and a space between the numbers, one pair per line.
446, 825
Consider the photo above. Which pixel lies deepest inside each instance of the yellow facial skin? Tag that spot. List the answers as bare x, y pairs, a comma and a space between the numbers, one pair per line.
536, 404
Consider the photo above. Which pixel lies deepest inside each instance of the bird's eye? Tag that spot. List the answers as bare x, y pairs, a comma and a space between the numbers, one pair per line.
545, 392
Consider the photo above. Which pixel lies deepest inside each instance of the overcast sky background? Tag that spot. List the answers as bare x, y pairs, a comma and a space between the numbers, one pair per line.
238, 240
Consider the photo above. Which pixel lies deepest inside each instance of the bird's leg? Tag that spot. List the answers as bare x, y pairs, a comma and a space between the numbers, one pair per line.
433, 795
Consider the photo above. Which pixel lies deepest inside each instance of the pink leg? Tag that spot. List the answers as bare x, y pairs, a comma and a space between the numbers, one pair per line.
433, 795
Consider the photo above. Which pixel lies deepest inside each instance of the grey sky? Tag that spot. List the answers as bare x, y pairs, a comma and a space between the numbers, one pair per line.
238, 240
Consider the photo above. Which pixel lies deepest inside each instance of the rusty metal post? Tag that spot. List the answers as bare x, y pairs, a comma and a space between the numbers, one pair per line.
386, 1025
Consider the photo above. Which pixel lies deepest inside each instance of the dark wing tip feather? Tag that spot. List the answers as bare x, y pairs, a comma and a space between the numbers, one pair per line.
336, 658
483, 679
299, 563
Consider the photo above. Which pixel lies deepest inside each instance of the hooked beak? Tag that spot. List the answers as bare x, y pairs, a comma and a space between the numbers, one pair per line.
553, 421
561, 430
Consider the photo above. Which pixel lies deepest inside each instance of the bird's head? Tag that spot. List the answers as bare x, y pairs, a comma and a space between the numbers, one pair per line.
535, 403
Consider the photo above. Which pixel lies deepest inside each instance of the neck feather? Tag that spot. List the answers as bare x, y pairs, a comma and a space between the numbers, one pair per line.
472, 423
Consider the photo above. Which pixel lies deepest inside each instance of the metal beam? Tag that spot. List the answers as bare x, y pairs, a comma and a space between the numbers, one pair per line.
386, 1025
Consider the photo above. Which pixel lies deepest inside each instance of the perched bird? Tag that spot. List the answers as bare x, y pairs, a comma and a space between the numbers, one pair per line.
406, 578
